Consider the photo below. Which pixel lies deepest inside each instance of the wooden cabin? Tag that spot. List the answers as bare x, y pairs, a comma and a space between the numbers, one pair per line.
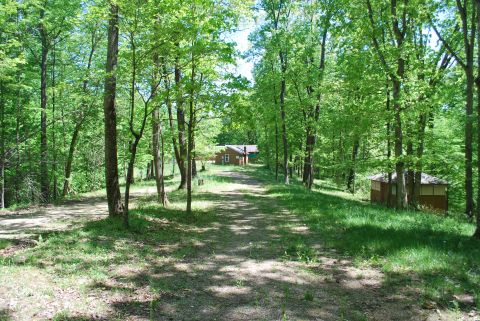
433, 191
236, 154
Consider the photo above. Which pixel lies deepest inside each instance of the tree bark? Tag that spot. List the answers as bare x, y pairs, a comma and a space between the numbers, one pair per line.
44, 185
191, 136
157, 158
308, 160
477, 7
115, 207
410, 174
2, 150
69, 162
469, 144
283, 89
54, 137
469, 30
276, 149
181, 128
351, 174
76, 130
419, 165
401, 195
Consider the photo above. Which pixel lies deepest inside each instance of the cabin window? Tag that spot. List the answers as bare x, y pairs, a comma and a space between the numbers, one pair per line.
227, 158
439, 190
426, 190
376, 186
394, 189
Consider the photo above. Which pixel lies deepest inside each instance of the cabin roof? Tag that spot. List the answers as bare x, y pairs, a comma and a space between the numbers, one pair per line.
240, 148
426, 179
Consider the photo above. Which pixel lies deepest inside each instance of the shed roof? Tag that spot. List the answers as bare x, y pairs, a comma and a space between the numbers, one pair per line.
426, 179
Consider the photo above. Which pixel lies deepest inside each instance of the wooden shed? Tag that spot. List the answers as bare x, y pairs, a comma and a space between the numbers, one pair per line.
433, 191
235, 154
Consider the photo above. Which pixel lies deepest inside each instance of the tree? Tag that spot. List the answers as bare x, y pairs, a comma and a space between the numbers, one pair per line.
115, 206
467, 12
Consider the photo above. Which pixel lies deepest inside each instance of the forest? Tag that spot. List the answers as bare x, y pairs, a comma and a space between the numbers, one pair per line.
102, 99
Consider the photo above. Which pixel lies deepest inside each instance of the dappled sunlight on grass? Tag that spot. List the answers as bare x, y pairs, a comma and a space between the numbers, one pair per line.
438, 251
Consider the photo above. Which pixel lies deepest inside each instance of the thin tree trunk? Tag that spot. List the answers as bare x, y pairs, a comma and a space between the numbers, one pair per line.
2, 150
351, 174
129, 180
115, 207
157, 158
276, 149
54, 138
44, 185
78, 126
191, 137
17, 146
308, 162
469, 30
469, 206
419, 165
477, 7
194, 164
168, 102
163, 197
68, 164
181, 128
389, 149
401, 201
410, 175
283, 89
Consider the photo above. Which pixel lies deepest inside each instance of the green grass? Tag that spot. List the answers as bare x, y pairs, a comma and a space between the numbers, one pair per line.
88, 257
434, 253
4, 244
429, 252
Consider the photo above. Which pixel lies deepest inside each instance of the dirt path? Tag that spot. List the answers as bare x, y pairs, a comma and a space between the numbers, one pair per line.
27, 224
243, 275
236, 269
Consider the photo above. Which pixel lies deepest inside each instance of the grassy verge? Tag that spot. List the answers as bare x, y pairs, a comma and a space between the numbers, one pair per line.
102, 256
433, 253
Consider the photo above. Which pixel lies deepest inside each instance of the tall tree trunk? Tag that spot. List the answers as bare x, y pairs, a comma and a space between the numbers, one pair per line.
351, 174
477, 7
276, 132
44, 184
308, 174
194, 162
157, 158
283, 90
129, 180
54, 137
410, 174
115, 207
191, 136
401, 201
78, 124
164, 198
69, 162
276, 148
469, 30
419, 164
389, 148
308, 162
189, 160
2, 149
181, 128
17, 147
468, 144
